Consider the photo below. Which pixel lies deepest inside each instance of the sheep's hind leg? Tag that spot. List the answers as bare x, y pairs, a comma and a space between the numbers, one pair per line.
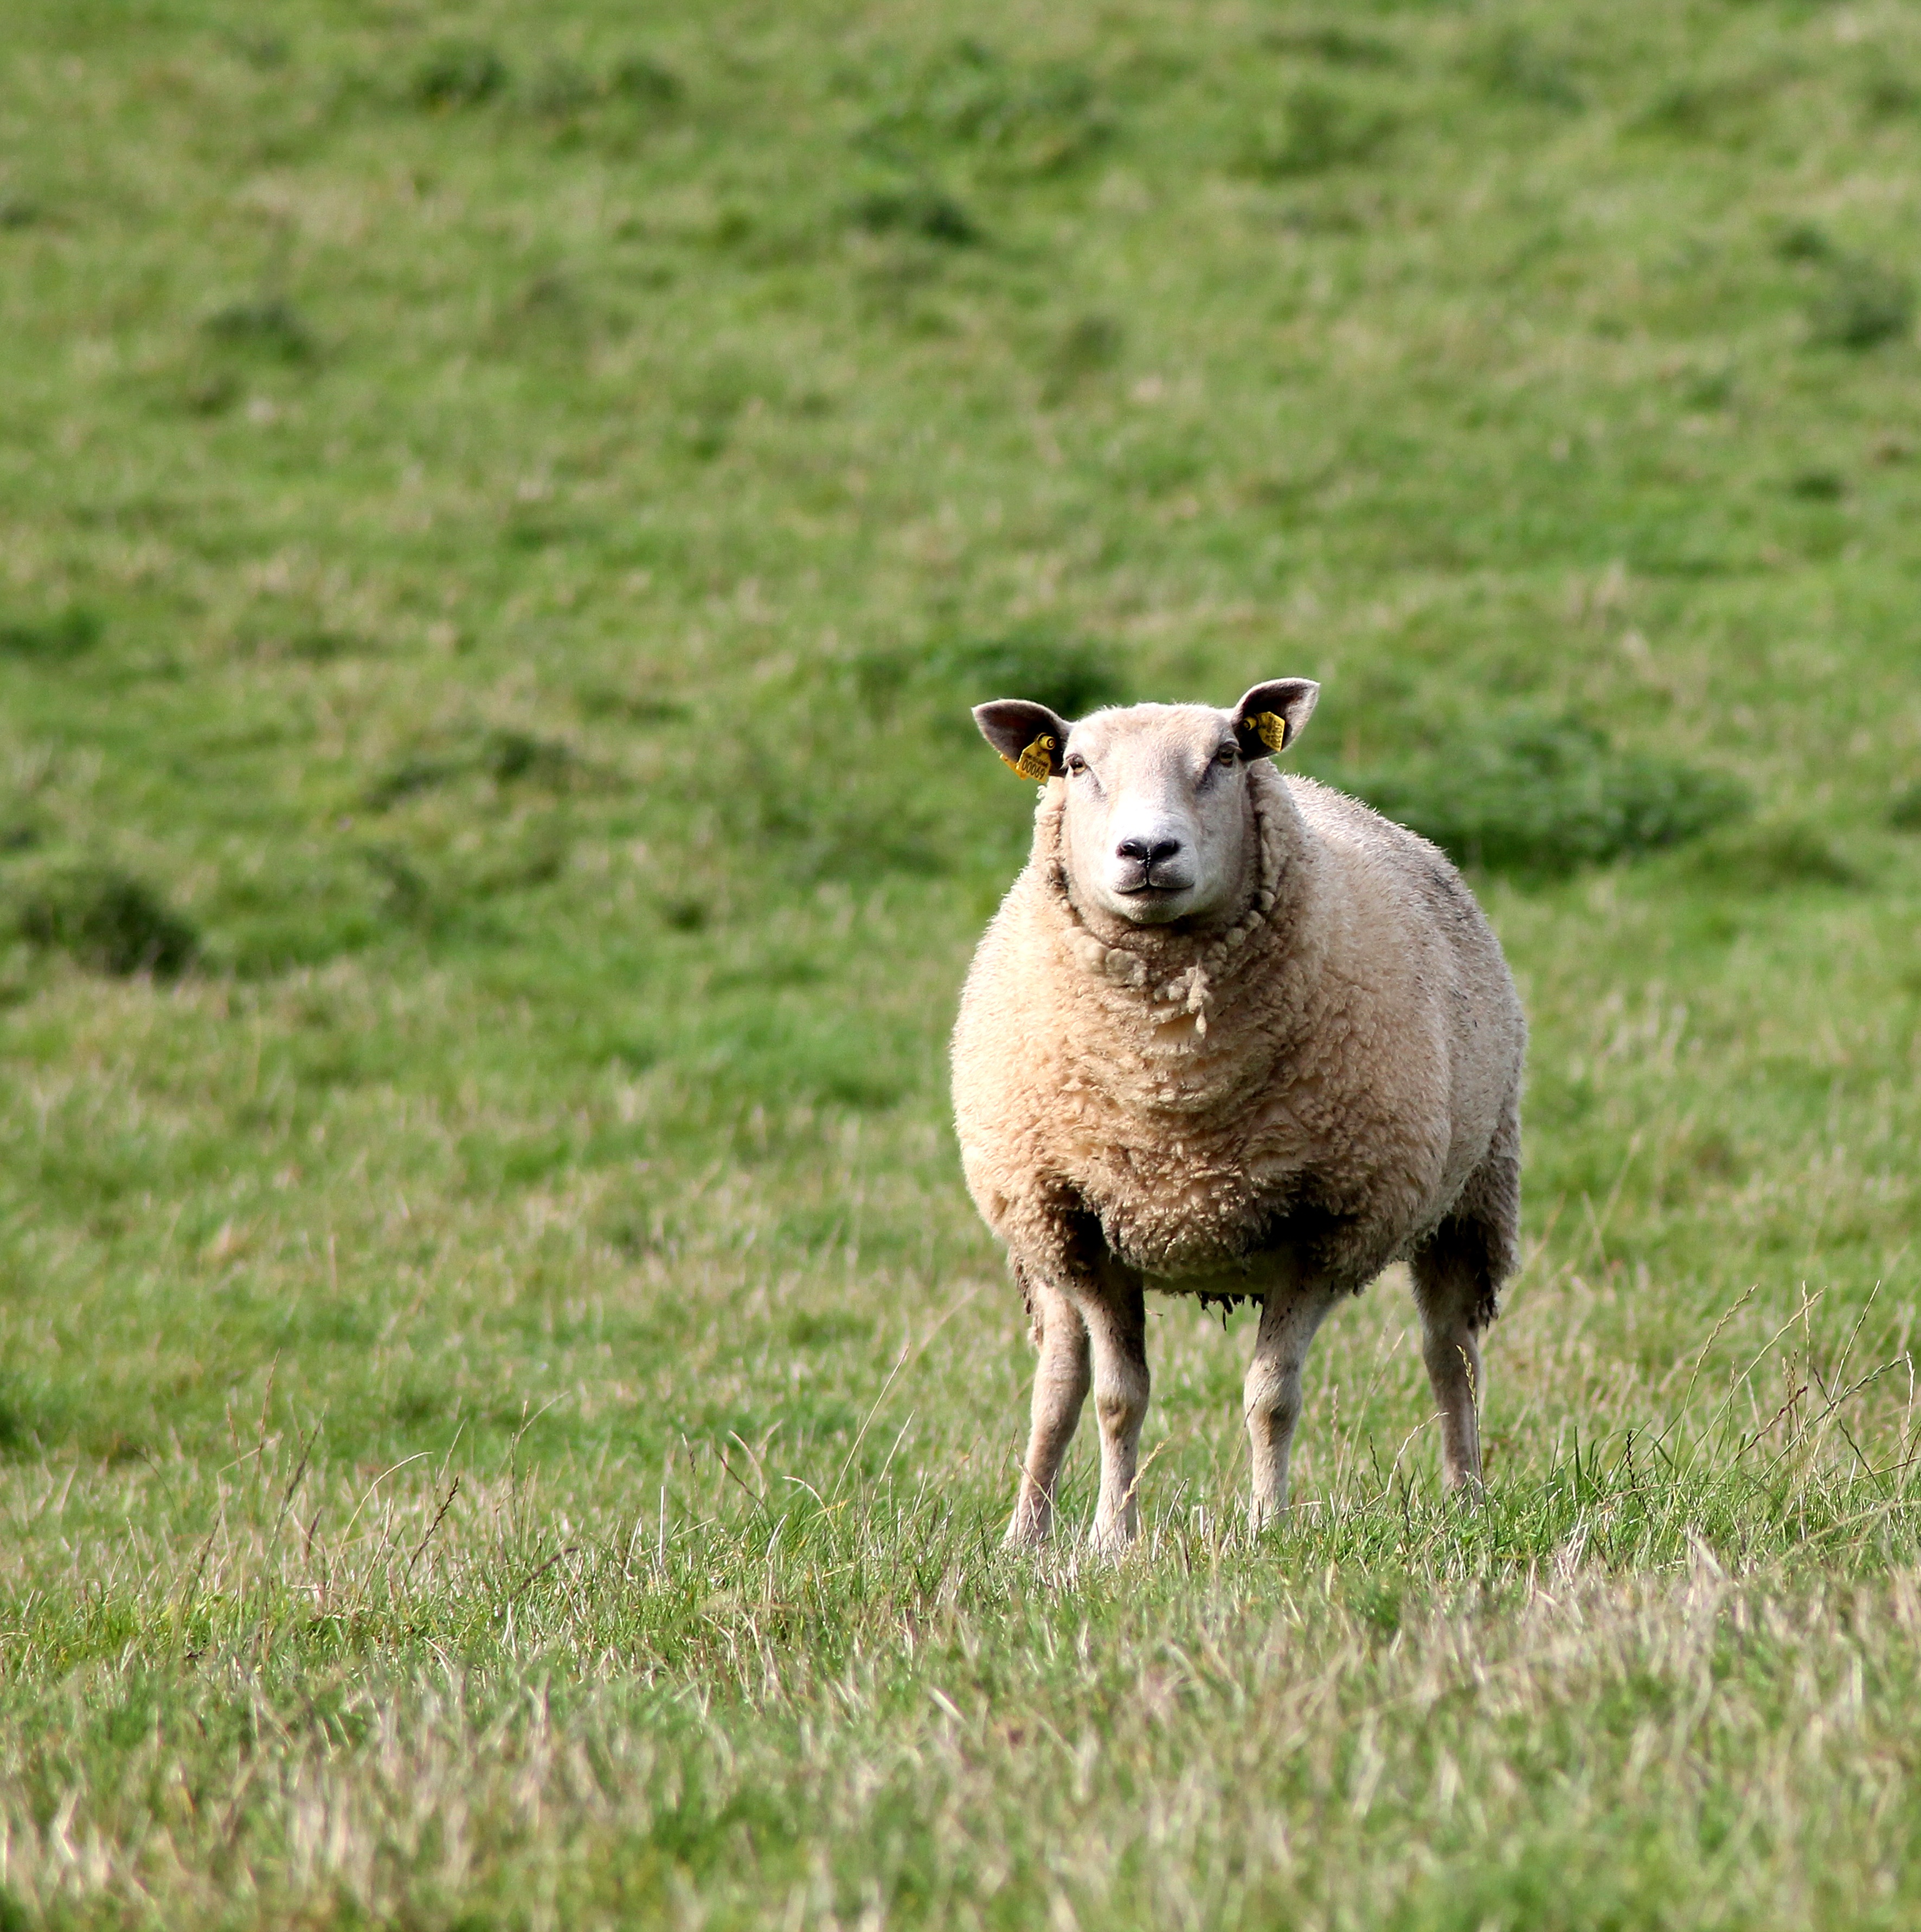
1290, 1317
1061, 1380
1456, 1295
1457, 1273
1116, 1318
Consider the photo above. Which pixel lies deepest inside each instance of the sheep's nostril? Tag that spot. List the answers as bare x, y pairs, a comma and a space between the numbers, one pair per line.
1148, 852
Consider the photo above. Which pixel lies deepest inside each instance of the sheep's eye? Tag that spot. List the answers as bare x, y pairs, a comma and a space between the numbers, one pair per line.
1226, 755
1076, 763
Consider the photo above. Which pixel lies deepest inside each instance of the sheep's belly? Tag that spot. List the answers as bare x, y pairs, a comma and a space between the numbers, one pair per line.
1252, 1282
1206, 1236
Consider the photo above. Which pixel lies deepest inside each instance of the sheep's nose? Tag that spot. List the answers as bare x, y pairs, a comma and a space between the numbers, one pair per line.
1148, 854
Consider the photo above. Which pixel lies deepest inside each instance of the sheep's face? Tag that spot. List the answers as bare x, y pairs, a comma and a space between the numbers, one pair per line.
1157, 825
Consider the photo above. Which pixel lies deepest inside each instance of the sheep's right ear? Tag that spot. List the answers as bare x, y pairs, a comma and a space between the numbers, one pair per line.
1028, 737
1272, 715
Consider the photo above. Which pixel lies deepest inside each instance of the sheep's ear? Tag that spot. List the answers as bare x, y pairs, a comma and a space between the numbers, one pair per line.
1028, 737
1272, 715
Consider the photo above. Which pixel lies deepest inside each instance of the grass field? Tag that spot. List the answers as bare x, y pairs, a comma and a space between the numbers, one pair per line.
505, 1410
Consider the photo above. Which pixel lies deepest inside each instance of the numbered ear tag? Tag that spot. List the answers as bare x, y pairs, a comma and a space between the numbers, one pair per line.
1036, 763
1270, 729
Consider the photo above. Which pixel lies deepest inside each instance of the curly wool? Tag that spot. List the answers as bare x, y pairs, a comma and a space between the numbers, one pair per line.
1326, 1071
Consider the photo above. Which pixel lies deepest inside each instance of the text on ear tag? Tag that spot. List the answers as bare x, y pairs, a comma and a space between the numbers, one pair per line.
1270, 729
1036, 763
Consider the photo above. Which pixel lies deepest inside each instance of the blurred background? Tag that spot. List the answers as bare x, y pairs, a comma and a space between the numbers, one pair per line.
507, 509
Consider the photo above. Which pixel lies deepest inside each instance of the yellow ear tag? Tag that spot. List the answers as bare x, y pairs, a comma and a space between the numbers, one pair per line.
1270, 729
1035, 763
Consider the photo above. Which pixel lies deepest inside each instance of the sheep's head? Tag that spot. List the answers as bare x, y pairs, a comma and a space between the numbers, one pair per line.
1156, 823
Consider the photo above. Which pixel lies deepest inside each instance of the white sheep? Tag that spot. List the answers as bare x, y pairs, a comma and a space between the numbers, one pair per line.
1231, 1034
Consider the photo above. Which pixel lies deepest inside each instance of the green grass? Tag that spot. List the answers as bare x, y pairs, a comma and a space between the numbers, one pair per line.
505, 1410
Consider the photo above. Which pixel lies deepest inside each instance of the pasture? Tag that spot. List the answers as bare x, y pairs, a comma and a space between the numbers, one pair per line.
506, 1411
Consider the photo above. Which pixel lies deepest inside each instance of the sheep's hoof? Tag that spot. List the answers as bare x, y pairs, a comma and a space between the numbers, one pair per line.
1264, 1515
1267, 1507
1029, 1529
1111, 1540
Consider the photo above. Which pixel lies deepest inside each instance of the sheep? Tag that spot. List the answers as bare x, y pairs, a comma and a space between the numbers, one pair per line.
1231, 1035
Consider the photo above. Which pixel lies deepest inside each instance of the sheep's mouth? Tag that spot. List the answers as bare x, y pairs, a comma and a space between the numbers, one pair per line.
1153, 903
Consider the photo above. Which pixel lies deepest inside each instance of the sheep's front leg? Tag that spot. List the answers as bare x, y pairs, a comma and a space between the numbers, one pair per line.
1289, 1318
1060, 1382
1116, 1318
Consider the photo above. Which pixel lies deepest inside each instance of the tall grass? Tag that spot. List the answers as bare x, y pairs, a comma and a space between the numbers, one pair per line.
421, 1690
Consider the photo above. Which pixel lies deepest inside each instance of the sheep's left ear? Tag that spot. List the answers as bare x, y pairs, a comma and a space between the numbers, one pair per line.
1272, 715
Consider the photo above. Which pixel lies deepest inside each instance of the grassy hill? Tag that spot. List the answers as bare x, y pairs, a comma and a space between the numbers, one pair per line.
505, 1409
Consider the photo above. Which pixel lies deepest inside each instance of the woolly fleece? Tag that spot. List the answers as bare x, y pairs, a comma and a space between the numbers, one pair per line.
1335, 1071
